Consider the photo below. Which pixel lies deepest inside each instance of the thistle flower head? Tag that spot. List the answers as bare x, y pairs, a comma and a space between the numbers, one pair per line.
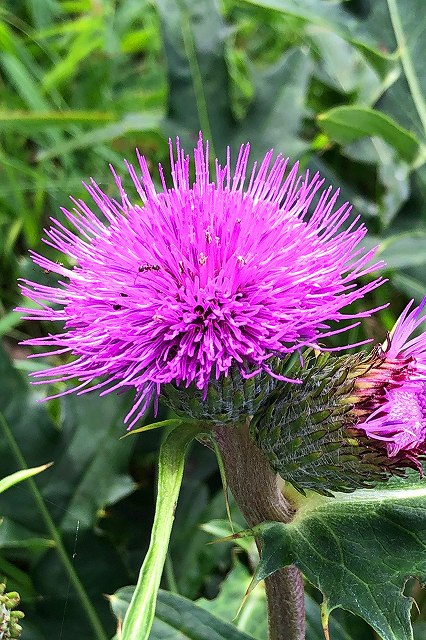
355, 420
391, 397
190, 280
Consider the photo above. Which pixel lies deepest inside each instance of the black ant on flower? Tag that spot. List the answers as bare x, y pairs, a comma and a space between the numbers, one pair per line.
143, 268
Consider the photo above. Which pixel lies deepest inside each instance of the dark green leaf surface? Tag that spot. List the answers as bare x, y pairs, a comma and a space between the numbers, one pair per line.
81, 481
329, 17
193, 35
405, 250
358, 549
252, 619
82, 85
402, 27
177, 618
275, 115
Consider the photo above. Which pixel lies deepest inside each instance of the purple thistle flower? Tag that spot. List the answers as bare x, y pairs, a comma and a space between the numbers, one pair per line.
199, 277
398, 406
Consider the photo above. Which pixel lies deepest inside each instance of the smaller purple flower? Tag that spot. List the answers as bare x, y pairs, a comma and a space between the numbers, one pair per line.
395, 406
195, 279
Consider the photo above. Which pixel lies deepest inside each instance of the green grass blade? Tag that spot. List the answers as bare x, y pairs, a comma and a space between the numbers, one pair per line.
19, 476
92, 616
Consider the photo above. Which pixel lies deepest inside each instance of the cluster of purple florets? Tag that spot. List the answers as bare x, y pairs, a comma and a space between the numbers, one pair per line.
179, 284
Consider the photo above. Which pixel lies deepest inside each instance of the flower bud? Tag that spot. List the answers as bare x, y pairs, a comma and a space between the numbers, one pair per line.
309, 434
356, 419
9, 626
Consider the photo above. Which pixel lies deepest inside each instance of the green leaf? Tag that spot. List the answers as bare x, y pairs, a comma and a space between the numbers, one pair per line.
21, 581
28, 433
402, 249
19, 120
277, 110
332, 18
409, 27
334, 541
349, 629
15, 536
19, 476
419, 631
314, 11
348, 123
97, 462
412, 287
222, 529
173, 422
252, 618
193, 34
192, 625
24, 82
82, 47
194, 560
405, 251
130, 124
177, 618
140, 614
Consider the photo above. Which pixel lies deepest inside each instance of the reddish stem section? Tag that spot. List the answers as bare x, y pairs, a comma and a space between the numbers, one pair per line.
255, 489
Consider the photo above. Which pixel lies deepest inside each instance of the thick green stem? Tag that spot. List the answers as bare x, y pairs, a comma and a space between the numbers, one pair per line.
89, 609
140, 614
255, 489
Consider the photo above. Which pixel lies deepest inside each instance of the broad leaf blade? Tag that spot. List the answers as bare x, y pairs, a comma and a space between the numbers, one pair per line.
80, 445
193, 34
252, 618
333, 542
276, 113
335, 19
405, 99
177, 618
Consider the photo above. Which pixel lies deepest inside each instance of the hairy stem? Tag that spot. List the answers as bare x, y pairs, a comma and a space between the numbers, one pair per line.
255, 489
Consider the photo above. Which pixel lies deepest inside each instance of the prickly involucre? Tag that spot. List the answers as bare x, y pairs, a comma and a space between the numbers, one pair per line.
179, 285
355, 420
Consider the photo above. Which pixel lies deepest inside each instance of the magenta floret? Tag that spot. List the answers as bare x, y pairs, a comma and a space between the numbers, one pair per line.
399, 419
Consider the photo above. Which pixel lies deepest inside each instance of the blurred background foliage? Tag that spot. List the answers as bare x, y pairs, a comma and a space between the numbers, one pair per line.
339, 85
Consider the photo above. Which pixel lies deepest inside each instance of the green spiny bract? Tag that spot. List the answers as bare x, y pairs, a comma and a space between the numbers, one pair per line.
309, 432
231, 398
